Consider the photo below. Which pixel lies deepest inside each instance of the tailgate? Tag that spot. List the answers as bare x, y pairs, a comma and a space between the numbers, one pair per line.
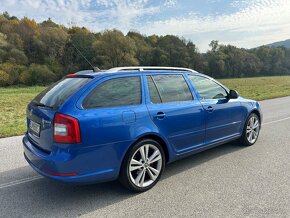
41, 111
40, 127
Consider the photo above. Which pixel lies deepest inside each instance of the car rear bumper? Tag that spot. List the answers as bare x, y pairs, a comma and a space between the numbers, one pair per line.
75, 168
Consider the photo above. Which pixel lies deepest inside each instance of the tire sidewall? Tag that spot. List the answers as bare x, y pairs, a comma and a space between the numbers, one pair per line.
244, 138
125, 176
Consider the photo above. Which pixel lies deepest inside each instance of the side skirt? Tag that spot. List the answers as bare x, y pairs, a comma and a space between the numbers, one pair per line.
203, 148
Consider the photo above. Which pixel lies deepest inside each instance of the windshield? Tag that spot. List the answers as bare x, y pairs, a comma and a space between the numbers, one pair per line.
55, 95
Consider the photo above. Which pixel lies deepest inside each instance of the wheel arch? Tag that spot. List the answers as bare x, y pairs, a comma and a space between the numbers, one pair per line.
159, 139
257, 112
150, 135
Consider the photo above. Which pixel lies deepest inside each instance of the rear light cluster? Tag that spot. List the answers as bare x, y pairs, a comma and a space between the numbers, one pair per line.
66, 129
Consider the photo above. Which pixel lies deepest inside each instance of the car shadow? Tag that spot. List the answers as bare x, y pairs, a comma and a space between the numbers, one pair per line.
195, 160
45, 197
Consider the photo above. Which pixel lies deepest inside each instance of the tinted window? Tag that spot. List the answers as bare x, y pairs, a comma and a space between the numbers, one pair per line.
56, 94
172, 88
207, 88
123, 91
154, 95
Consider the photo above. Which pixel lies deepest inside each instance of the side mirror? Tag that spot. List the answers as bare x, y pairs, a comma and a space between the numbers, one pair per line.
233, 94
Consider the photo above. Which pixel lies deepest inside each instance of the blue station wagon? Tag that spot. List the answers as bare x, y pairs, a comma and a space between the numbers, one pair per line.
127, 123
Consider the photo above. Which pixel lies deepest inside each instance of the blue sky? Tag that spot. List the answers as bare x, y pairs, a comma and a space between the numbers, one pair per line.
244, 23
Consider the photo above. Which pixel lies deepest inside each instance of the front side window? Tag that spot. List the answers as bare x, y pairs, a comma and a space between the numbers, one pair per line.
207, 88
168, 88
116, 92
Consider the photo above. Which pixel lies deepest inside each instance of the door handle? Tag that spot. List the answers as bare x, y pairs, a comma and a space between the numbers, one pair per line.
160, 115
209, 109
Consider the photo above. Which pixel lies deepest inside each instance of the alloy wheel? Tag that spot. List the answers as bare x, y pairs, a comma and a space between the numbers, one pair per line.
145, 165
253, 128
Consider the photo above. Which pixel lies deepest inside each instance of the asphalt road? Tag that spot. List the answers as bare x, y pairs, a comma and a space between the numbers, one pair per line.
227, 181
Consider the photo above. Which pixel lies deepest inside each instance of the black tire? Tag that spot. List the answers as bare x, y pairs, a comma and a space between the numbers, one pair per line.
244, 138
126, 179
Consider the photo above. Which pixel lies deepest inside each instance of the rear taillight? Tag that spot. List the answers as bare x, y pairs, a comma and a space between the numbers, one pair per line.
66, 129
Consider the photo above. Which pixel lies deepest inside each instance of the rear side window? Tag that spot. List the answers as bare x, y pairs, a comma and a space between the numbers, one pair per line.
56, 94
171, 88
116, 92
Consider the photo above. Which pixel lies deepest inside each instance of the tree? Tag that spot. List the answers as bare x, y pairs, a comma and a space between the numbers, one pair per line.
17, 56
3, 41
116, 49
196, 60
8, 17
80, 44
214, 44
143, 49
27, 30
3, 55
40, 53
176, 50
55, 39
15, 40
159, 57
53, 49
216, 64
48, 23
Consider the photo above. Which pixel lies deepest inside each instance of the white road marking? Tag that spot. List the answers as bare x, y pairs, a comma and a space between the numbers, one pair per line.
20, 181
276, 121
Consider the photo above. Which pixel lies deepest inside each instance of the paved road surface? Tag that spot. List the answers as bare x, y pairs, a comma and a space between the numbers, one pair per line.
227, 181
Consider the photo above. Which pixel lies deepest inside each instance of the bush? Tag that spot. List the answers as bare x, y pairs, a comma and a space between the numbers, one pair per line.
13, 70
17, 56
37, 75
4, 78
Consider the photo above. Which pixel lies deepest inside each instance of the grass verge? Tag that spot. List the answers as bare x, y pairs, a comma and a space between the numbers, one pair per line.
13, 102
260, 88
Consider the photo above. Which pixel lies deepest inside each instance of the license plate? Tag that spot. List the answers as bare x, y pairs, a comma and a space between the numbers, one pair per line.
34, 128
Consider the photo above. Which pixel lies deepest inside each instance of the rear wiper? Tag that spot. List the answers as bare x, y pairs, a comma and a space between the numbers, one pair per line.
38, 104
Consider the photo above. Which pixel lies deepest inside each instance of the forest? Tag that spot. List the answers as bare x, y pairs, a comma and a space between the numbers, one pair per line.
34, 53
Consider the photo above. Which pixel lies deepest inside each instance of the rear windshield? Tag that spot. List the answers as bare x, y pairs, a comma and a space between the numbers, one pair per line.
56, 94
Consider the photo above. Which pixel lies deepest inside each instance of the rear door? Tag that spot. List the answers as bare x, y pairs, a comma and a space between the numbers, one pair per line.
111, 111
175, 112
223, 115
41, 110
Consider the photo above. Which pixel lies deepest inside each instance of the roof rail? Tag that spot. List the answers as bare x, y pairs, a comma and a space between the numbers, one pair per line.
141, 68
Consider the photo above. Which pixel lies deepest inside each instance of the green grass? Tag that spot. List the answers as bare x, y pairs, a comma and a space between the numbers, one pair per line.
13, 100
260, 88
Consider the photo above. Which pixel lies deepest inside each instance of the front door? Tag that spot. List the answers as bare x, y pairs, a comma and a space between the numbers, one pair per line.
223, 115
172, 108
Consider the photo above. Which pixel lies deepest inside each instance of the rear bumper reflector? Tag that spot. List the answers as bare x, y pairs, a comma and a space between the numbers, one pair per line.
59, 174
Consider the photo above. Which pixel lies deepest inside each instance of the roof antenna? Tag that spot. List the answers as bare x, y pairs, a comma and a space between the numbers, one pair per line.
95, 69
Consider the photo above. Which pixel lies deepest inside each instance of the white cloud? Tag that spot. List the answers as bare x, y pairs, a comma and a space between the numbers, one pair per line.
257, 22
121, 14
170, 3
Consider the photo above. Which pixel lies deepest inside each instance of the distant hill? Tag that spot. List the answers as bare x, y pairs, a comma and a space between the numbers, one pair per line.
285, 43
